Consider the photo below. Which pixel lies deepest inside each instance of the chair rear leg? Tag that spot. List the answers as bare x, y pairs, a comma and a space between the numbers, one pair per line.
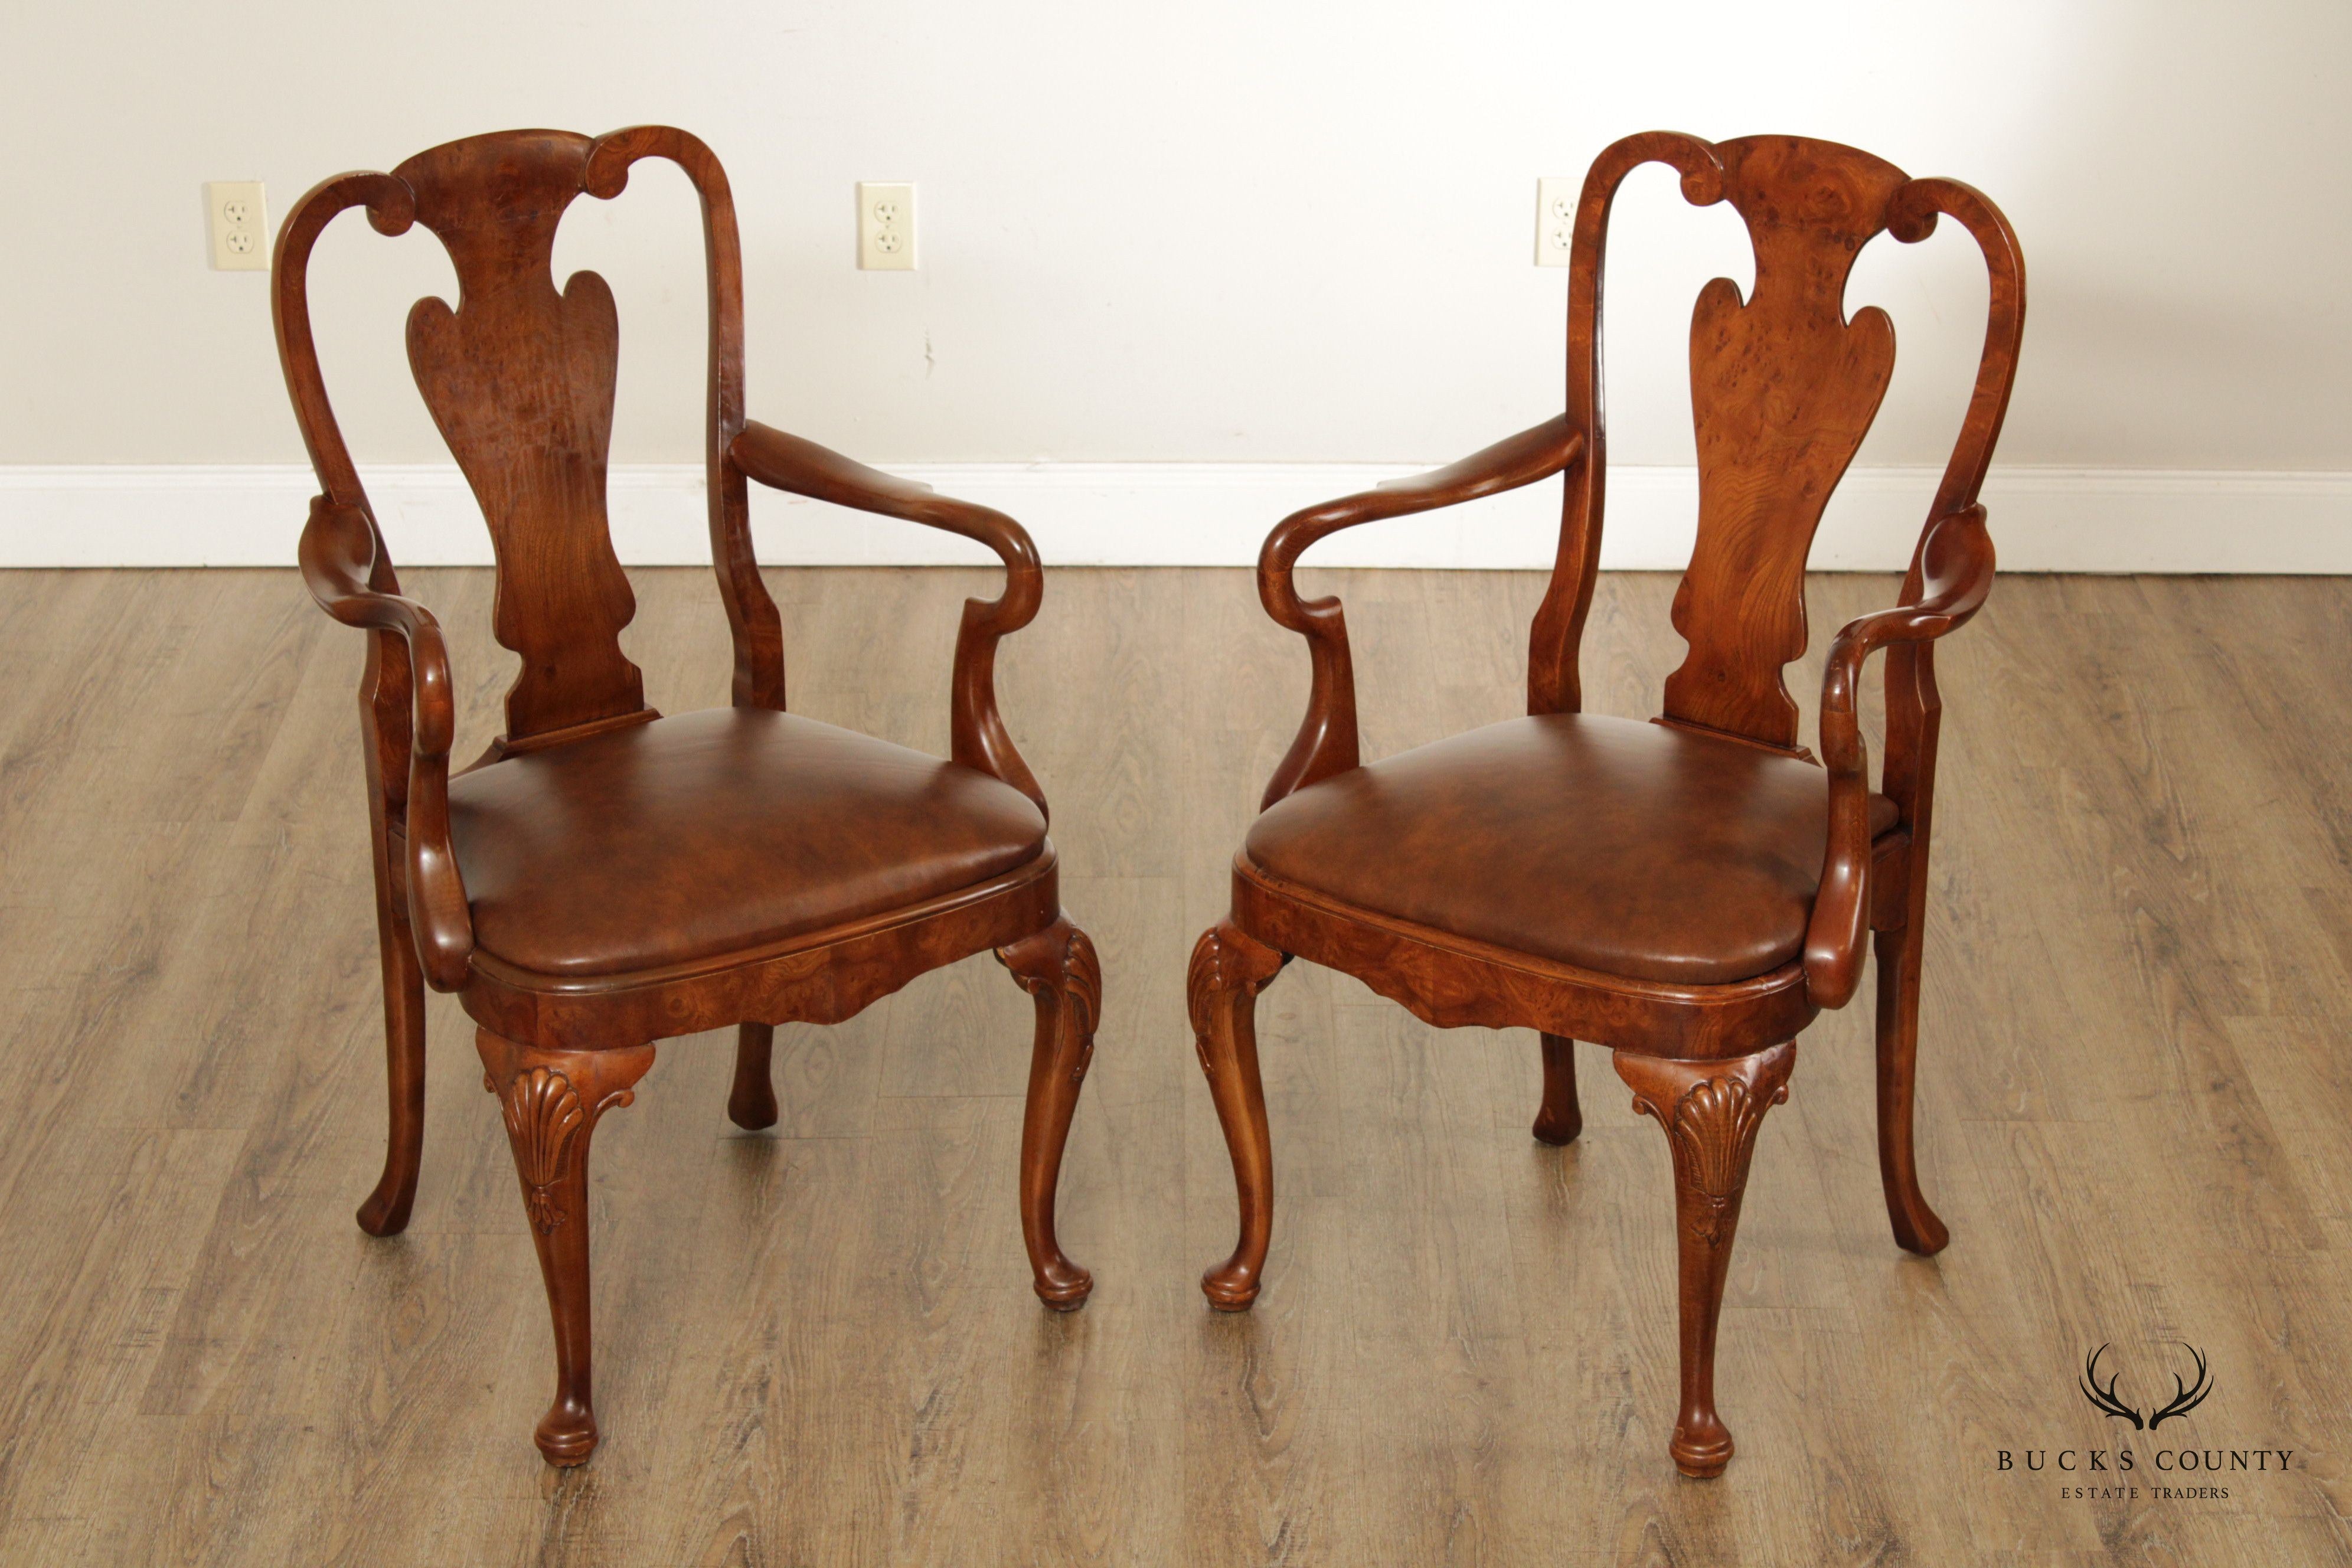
1229, 969
1710, 1110
1561, 1118
752, 1104
1056, 966
552, 1101
386, 1212
1917, 1228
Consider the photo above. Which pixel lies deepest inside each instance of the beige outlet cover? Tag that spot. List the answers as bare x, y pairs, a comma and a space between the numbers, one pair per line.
1556, 200
885, 226
237, 220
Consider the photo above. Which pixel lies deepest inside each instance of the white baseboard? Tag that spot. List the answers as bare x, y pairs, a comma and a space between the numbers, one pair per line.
1194, 514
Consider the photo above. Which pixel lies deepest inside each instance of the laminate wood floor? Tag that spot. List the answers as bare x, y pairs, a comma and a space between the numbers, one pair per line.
818, 1346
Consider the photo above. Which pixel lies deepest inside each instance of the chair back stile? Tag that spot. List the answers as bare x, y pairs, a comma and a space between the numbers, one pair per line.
520, 379
1784, 388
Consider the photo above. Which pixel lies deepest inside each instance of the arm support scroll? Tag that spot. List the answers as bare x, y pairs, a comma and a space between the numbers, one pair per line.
1327, 742
1956, 571
339, 555
977, 734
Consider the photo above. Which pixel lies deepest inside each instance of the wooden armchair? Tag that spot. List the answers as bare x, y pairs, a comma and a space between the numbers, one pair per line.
1689, 891
603, 876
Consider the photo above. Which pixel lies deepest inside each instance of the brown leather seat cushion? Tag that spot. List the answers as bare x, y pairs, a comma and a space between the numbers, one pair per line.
1631, 849
715, 832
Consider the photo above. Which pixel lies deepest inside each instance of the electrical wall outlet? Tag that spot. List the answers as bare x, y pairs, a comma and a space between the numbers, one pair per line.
238, 222
1555, 221
885, 227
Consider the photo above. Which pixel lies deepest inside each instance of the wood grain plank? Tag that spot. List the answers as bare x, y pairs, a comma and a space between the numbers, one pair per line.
817, 1344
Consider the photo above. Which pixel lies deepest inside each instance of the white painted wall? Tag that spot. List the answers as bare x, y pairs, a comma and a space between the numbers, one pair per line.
1210, 233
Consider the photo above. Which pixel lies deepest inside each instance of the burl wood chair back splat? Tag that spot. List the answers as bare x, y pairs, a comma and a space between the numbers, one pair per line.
1689, 891
603, 876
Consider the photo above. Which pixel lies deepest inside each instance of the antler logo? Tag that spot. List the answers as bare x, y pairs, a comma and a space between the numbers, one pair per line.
2185, 1397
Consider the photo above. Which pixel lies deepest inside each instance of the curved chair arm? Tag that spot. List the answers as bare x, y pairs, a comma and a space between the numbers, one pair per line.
977, 736
1327, 737
338, 555
1956, 570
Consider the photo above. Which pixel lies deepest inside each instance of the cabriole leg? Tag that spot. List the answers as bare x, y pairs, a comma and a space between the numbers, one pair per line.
1561, 1118
1057, 967
1917, 1228
1710, 1111
552, 1101
1229, 969
752, 1104
385, 1213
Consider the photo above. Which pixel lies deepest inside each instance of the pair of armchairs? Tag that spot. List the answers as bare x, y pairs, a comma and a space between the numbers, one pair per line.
1688, 892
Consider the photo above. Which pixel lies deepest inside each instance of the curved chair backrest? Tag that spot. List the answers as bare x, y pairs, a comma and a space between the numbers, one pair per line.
1784, 388
520, 379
